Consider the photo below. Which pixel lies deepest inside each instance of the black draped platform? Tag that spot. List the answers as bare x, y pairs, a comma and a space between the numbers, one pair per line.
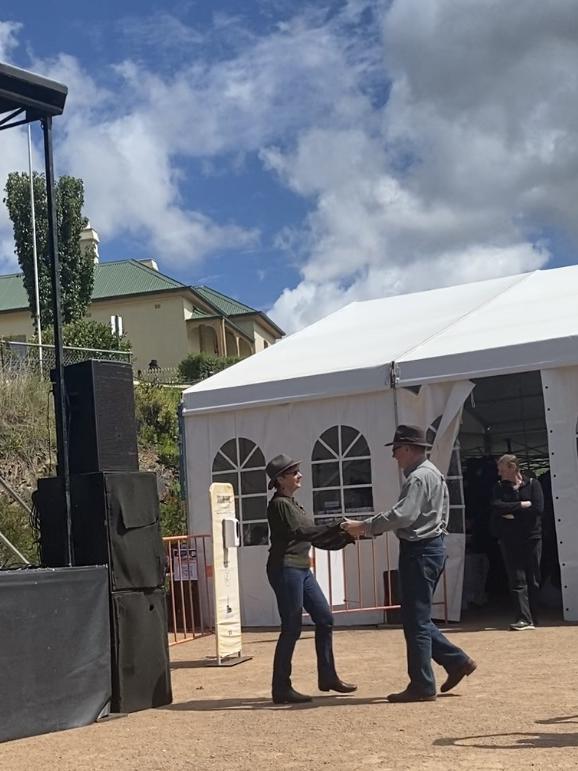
54, 649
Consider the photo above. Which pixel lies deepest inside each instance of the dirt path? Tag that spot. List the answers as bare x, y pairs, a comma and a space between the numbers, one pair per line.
518, 711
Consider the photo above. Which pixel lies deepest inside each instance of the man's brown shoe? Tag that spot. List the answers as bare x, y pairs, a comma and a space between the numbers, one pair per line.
458, 674
409, 695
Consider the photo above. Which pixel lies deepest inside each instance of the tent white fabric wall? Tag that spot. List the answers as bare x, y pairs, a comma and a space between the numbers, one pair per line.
433, 401
561, 402
293, 429
339, 371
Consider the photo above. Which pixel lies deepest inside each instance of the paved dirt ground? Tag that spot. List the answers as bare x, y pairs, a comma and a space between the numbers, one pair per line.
518, 710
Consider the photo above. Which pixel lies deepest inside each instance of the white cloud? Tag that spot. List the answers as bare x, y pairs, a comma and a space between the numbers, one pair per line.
434, 144
127, 141
127, 156
8, 38
13, 146
477, 152
159, 31
127, 160
313, 299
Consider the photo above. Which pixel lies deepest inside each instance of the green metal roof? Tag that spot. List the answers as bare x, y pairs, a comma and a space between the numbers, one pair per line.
199, 314
226, 305
111, 279
131, 277
229, 307
12, 293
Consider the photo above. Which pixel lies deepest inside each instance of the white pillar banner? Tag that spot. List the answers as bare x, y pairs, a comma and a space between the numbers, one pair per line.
225, 571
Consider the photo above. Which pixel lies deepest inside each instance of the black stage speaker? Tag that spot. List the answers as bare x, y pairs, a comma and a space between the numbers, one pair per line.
101, 417
54, 650
141, 676
115, 521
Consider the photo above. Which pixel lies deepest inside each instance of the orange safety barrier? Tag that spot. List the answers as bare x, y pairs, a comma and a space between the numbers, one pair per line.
358, 596
189, 599
189, 573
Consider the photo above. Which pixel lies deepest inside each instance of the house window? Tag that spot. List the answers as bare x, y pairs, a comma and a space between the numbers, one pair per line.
341, 474
241, 463
455, 483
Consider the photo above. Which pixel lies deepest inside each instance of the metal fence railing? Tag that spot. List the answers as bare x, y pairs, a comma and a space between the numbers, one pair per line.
161, 376
364, 578
35, 359
189, 595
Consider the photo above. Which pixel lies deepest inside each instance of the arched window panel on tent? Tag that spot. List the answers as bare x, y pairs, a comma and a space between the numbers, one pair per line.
341, 474
455, 482
241, 463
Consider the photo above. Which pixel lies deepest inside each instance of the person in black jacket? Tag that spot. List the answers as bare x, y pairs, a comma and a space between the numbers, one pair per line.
518, 503
292, 530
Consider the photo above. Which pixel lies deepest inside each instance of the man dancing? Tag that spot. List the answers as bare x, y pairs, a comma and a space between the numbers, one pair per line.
419, 519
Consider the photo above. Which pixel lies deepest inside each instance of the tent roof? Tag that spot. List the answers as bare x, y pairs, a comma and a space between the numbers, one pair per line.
510, 324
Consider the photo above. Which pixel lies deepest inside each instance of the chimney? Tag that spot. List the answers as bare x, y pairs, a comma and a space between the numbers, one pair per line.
150, 263
89, 240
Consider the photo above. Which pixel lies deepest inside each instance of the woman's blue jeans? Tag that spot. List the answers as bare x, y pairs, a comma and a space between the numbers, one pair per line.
420, 566
297, 589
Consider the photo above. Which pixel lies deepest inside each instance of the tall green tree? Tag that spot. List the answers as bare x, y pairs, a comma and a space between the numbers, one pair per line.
76, 269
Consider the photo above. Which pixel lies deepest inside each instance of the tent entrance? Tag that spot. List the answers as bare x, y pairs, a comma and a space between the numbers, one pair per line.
503, 414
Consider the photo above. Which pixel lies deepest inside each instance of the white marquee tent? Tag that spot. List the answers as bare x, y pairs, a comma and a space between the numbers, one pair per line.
332, 393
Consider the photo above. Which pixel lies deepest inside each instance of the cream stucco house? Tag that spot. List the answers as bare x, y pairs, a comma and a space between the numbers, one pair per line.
164, 319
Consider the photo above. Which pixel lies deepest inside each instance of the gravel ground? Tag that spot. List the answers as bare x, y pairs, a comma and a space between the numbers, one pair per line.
518, 710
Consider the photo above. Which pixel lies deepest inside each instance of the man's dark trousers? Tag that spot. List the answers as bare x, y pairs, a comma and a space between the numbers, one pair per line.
420, 566
297, 589
522, 561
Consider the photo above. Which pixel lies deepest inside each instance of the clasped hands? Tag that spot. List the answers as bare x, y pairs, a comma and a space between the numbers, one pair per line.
355, 528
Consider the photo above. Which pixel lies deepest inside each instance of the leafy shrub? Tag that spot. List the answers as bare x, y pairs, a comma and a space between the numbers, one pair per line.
157, 422
198, 366
88, 333
27, 444
156, 414
173, 516
168, 453
16, 527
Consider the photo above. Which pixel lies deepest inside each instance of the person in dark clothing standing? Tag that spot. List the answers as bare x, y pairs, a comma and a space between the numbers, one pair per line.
518, 503
295, 586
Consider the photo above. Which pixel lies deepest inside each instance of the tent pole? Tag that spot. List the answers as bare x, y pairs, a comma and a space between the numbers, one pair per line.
59, 392
394, 382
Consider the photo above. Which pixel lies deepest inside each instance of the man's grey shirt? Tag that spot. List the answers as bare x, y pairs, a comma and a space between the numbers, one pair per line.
422, 509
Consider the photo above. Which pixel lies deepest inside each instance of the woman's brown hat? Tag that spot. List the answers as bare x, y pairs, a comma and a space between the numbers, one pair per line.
279, 465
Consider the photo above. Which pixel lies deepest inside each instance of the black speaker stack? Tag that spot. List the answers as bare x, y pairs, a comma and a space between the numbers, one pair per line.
115, 521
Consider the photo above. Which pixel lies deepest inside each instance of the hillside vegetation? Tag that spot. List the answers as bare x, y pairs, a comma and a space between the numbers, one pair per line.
28, 451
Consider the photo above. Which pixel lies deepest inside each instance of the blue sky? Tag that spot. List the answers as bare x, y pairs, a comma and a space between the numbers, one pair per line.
303, 155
